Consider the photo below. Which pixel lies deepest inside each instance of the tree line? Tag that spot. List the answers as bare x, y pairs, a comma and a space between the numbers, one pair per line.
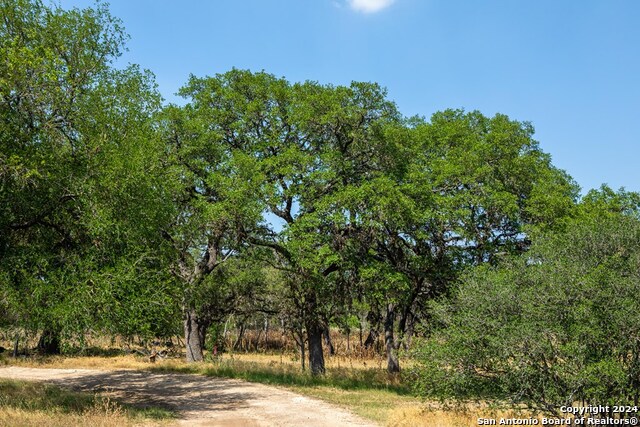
120, 214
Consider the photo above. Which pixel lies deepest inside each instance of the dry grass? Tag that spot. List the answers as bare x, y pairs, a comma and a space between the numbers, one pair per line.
25, 403
374, 404
23, 418
432, 417
132, 361
81, 362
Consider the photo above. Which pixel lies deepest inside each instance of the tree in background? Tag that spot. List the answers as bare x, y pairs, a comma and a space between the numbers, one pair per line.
462, 191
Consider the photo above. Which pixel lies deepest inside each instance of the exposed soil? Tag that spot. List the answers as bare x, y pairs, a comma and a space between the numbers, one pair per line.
200, 401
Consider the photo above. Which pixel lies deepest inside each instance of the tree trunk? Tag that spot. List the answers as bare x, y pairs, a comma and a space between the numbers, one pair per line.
225, 331
327, 341
266, 333
15, 346
407, 320
393, 365
194, 334
408, 336
49, 342
239, 339
257, 339
316, 357
299, 333
371, 339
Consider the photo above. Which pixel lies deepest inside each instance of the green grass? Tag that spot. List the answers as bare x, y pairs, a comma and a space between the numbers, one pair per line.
291, 376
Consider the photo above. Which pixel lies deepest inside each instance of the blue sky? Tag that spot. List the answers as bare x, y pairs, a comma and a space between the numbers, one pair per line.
572, 68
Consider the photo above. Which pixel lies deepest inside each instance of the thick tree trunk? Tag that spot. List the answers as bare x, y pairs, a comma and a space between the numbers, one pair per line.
49, 342
316, 357
194, 332
393, 365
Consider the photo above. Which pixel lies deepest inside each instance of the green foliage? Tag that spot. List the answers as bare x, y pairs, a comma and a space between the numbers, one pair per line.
307, 147
606, 201
80, 178
462, 190
556, 325
319, 202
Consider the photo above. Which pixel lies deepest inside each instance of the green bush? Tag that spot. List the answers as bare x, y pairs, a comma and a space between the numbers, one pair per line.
556, 326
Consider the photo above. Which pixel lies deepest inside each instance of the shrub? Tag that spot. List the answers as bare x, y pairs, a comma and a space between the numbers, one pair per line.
558, 325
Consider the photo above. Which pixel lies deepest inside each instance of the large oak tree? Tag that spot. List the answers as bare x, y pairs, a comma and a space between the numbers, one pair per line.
79, 177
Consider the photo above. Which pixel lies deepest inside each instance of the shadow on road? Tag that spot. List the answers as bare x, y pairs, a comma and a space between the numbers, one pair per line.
176, 392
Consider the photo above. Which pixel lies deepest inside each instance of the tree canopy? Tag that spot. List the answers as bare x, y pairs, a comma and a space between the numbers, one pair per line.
78, 163
320, 205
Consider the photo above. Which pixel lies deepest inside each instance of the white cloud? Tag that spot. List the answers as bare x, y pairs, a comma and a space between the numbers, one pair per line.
369, 6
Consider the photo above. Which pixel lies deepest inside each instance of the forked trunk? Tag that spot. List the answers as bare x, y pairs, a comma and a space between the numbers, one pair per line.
316, 358
393, 365
194, 332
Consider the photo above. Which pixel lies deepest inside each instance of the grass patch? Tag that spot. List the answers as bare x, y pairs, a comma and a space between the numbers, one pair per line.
374, 404
73, 362
27, 403
284, 374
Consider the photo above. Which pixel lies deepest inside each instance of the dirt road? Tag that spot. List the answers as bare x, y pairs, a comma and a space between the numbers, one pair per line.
200, 401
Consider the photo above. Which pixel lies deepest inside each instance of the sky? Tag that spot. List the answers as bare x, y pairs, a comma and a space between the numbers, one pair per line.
571, 68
